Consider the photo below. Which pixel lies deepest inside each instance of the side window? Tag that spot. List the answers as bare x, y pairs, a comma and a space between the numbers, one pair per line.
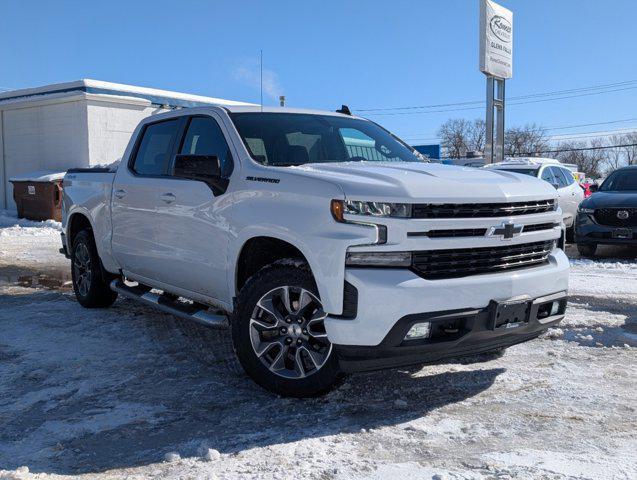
204, 137
560, 177
547, 175
153, 152
567, 176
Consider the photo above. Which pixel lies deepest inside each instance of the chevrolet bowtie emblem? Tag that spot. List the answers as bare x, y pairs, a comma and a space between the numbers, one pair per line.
507, 230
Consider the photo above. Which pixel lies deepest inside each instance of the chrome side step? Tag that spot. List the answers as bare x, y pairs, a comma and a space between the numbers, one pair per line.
165, 303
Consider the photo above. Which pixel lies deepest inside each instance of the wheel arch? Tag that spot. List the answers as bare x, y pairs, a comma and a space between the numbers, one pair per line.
77, 222
258, 251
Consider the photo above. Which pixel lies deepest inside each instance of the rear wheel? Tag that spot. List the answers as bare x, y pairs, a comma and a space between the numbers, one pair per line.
91, 288
279, 334
587, 249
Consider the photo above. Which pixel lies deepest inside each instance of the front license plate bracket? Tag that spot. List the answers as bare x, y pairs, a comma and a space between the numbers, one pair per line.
509, 314
623, 233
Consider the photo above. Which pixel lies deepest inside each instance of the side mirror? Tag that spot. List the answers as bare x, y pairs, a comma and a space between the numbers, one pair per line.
202, 168
593, 187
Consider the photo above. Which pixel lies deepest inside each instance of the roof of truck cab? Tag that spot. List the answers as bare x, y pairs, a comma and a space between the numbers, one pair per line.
264, 109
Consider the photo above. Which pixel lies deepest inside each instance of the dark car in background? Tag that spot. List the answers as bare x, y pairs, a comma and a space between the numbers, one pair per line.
609, 216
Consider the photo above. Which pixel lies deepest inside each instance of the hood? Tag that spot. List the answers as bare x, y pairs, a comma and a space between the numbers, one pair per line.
611, 200
427, 182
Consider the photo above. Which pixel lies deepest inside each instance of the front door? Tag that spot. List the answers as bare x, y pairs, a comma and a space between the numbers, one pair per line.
192, 232
136, 198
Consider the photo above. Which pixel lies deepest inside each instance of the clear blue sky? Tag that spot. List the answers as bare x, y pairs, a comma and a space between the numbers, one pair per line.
320, 54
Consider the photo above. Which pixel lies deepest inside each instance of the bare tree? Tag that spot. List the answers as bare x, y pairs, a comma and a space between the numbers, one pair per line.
478, 135
459, 136
630, 151
590, 162
454, 137
525, 140
615, 157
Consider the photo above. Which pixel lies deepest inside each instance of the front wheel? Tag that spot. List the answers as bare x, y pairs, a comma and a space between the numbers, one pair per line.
279, 335
91, 288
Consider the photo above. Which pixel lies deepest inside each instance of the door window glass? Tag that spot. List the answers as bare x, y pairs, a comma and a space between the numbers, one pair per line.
559, 177
204, 137
565, 175
154, 148
548, 176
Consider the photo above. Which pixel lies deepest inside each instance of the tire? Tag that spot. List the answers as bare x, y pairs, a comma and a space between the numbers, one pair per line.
570, 234
306, 366
91, 288
587, 249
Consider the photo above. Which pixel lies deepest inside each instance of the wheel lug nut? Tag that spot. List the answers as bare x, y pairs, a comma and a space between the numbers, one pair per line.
299, 320
305, 331
299, 342
288, 320
284, 330
288, 340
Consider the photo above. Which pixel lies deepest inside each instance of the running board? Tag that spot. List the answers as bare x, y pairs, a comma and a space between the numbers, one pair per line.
166, 304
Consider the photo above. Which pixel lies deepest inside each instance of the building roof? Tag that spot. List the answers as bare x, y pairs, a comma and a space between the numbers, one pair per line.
155, 96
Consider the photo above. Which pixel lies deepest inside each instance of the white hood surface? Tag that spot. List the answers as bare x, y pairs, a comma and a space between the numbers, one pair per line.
428, 182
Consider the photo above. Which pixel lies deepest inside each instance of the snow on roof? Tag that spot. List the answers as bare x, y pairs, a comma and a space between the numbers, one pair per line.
156, 96
522, 162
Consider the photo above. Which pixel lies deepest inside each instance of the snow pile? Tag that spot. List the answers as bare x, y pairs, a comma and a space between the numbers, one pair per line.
11, 225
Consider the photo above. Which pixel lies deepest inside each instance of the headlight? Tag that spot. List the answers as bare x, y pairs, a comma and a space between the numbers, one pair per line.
586, 210
377, 209
378, 259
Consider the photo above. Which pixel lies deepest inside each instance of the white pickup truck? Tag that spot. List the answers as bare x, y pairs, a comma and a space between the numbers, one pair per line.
323, 241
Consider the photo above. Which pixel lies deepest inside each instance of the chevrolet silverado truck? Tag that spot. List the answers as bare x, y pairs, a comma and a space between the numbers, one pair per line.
326, 244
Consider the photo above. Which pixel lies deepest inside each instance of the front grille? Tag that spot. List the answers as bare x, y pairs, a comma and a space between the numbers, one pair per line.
478, 210
459, 232
439, 264
609, 216
540, 226
475, 232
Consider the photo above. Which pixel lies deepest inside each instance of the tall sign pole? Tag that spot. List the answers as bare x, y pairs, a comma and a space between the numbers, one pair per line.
496, 62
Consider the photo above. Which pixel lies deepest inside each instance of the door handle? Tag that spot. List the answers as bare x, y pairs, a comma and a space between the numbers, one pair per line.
119, 193
168, 197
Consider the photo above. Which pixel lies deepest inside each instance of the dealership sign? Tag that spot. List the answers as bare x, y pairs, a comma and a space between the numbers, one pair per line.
496, 40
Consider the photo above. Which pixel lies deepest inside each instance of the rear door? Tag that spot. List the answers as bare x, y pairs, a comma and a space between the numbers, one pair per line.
192, 231
136, 198
571, 194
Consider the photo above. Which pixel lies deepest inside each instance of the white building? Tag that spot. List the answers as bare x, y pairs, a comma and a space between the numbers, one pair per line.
75, 124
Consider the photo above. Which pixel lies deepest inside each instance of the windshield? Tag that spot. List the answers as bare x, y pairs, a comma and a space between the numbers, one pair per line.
283, 139
620, 181
527, 171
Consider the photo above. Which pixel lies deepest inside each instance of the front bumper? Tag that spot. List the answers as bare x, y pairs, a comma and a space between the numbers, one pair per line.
587, 231
387, 295
475, 334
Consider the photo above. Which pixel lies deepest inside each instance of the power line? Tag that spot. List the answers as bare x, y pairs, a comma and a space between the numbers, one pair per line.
520, 97
431, 136
527, 154
599, 134
541, 100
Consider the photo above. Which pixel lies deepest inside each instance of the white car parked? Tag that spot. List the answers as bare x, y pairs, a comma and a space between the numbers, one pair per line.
569, 192
324, 242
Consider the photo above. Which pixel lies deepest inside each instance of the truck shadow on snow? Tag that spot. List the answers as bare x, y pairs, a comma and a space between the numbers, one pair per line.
94, 390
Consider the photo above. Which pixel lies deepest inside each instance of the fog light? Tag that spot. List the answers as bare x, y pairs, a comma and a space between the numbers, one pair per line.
419, 330
555, 308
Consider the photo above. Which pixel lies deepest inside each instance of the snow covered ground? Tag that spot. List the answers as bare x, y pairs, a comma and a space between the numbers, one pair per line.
130, 393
